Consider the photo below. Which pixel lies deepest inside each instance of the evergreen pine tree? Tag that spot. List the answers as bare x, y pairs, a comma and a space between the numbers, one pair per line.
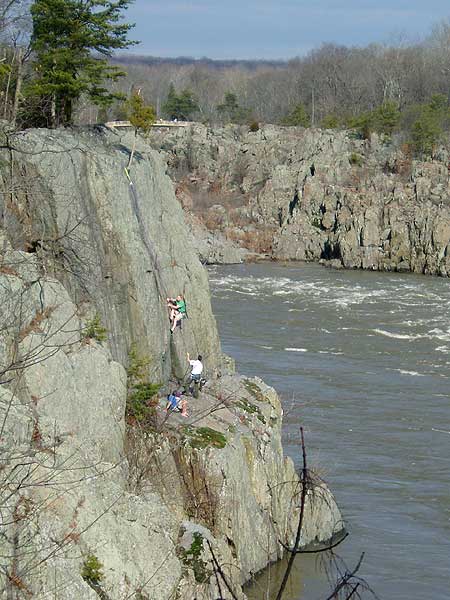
298, 117
66, 34
429, 127
230, 110
180, 106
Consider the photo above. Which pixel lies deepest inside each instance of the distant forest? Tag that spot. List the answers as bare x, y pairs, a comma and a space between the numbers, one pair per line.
332, 84
47, 78
138, 59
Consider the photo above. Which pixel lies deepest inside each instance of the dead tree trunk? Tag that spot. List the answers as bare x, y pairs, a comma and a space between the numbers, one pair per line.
18, 90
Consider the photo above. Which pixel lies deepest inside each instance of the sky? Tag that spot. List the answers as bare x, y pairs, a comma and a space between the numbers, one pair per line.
274, 29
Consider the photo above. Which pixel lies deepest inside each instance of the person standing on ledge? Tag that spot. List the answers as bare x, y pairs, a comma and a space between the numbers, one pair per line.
197, 368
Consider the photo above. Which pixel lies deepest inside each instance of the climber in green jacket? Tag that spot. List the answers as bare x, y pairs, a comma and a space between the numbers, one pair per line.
177, 310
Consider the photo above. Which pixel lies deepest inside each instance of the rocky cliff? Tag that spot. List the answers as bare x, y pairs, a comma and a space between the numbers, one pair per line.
95, 502
123, 248
309, 194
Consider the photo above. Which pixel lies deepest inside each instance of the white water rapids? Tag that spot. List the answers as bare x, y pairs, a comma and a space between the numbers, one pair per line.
362, 361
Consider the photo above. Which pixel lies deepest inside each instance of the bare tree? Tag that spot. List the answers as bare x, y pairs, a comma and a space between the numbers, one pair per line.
345, 80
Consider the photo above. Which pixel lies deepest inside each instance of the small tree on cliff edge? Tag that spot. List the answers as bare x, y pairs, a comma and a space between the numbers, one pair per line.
141, 116
298, 117
65, 33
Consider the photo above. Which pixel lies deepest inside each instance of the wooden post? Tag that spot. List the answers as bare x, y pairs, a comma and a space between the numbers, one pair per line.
18, 90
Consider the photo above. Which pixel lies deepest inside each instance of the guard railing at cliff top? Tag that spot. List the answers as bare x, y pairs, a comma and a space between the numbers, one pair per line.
160, 123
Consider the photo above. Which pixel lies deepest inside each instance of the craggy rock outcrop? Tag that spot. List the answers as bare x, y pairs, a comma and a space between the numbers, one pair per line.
151, 505
323, 195
92, 504
214, 248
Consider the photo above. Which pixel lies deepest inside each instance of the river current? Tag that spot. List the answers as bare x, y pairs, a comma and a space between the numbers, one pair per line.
362, 362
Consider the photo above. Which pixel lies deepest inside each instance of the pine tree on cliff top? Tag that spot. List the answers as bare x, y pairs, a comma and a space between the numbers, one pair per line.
65, 35
180, 106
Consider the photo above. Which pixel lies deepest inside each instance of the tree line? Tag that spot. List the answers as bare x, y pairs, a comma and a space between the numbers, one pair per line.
329, 82
57, 67
397, 87
55, 55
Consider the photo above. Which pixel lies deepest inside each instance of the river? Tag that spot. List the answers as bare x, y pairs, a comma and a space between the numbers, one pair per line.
361, 360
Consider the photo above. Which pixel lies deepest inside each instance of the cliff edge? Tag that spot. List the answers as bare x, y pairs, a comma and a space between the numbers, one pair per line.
96, 502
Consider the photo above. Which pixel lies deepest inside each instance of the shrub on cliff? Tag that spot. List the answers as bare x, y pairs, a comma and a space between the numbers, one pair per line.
141, 116
331, 121
141, 393
432, 119
384, 119
94, 330
91, 570
298, 117
355, 159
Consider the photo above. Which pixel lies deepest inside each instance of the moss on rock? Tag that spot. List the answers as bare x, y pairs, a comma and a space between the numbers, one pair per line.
203, 437
254, 389
250, 408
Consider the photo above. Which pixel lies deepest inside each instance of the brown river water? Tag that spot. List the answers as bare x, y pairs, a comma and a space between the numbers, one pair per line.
362, 362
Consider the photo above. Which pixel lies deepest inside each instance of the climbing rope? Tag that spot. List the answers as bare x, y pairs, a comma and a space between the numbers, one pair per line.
162, 291
145, 238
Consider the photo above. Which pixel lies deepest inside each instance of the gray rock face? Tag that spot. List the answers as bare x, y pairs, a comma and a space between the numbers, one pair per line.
152, 507
325, 195
63, 413
123, 247
91, 506
214, 248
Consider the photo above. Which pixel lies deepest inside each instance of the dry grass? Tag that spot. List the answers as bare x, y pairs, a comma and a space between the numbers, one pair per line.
256, 240
6, 270
201, 492
35, 325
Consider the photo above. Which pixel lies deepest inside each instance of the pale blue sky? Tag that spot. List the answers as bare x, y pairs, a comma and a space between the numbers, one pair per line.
270, 29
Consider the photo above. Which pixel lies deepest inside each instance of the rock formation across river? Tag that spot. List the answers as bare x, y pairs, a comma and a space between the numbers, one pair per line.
307, 194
